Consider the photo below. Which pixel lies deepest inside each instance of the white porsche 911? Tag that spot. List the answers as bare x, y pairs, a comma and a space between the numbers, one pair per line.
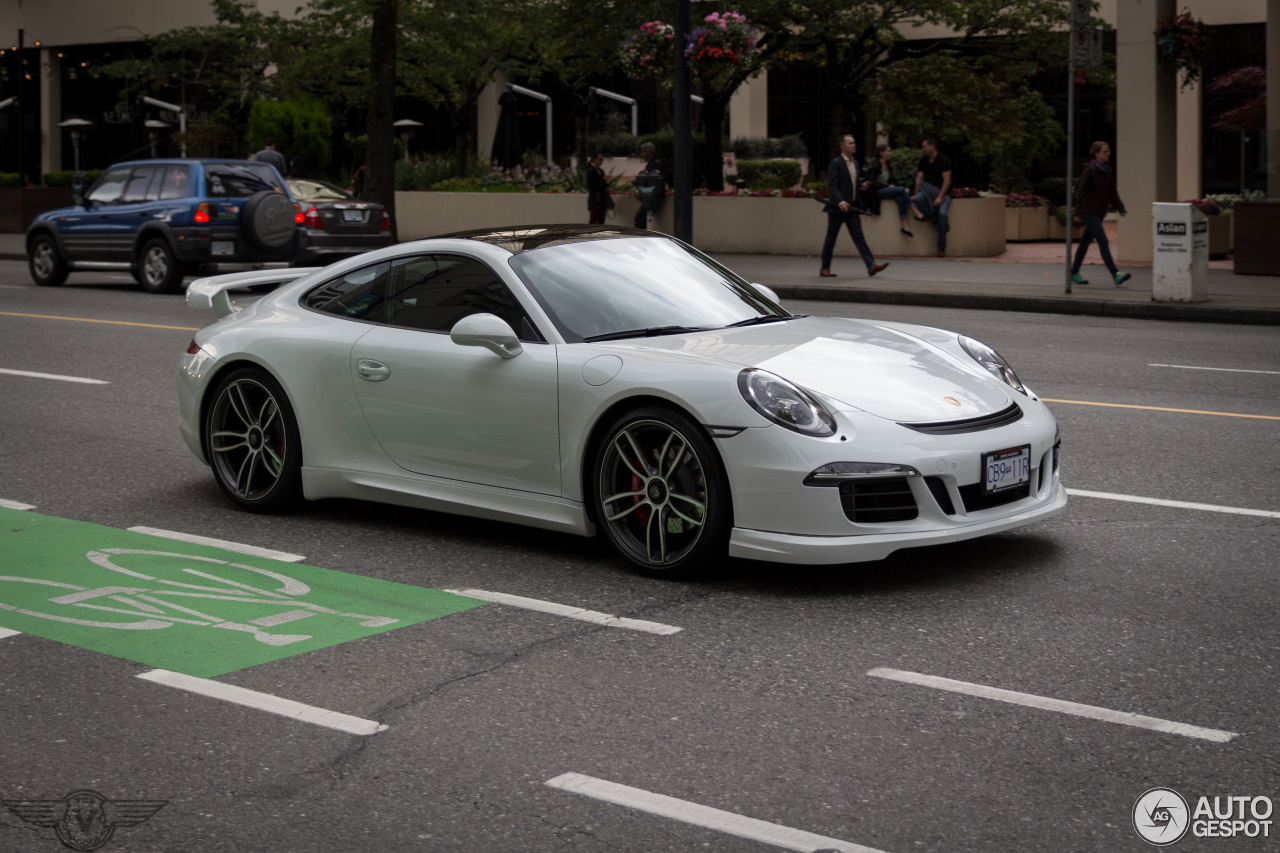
591, 379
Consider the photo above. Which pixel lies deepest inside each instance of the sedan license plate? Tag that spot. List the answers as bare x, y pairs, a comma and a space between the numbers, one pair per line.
223, 247
353, 216
1006, 469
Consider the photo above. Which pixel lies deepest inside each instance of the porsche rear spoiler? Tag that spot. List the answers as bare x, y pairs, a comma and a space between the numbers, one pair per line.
213, 291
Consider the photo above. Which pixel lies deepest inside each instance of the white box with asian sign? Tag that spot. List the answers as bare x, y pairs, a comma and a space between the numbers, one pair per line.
1180, 257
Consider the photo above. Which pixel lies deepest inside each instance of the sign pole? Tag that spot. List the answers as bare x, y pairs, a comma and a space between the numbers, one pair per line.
1071, 147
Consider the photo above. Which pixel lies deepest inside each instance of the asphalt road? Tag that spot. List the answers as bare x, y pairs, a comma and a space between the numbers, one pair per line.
763, 705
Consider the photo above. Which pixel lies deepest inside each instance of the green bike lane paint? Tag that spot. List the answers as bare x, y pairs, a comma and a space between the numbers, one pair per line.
193, 609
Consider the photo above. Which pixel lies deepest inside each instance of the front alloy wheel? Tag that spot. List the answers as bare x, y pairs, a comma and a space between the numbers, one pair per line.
661, 495
46, 265
253, 443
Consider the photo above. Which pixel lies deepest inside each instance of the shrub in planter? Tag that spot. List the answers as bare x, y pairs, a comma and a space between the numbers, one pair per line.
8, 179
769, 174
766, 148
1054, 190
64, 179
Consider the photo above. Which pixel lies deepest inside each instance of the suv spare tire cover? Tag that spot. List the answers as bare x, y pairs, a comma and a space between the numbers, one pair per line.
268, 219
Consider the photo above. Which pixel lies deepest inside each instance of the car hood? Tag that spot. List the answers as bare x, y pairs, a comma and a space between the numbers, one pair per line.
879, 368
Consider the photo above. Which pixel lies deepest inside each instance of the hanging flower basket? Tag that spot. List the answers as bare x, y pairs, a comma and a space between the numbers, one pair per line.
649, 53
726, 42
1182, 43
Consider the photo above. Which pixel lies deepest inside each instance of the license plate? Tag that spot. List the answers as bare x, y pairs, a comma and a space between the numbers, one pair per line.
353, 216
1006, 469
223, 247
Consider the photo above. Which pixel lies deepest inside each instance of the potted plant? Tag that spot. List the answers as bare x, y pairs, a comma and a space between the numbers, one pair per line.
1026, 217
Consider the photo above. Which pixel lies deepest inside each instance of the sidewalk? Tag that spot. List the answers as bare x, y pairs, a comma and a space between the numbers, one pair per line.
1027, 277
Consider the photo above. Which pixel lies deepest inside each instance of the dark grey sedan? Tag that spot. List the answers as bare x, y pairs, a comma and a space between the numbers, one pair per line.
338, 224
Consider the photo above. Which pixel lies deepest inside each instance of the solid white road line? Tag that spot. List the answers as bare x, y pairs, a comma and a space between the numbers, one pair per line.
704, 816
28, 373
567, 611
264, 702
14, 505
1231, 510
1044, 703
252, 550
1224, 369
5, 632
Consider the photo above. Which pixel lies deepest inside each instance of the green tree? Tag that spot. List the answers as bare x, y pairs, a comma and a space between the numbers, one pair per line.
301, 128
967, 102
217, 71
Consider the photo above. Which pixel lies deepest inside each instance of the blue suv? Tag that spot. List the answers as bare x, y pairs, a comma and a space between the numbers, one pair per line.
162, 219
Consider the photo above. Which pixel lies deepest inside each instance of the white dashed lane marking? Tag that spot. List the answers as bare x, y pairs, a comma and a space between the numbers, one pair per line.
264, 702
1223, 369
1044, 703
567, 611
704, 816
30, 375
1230, 510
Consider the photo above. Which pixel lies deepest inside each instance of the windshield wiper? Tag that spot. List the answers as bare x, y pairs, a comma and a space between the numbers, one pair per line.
755, 321
651, 332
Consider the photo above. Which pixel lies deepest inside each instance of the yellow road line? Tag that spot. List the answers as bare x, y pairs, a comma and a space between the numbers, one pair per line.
91, 320
1164, 409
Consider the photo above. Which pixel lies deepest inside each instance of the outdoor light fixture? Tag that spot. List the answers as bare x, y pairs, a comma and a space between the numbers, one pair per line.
77, 126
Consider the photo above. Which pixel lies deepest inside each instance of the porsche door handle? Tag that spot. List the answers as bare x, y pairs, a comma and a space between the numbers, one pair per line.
373, 371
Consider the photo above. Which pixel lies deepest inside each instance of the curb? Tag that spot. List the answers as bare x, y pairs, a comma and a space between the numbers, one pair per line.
1199, 312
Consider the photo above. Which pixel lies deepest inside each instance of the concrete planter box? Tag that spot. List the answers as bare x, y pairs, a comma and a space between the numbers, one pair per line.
19, 206
773, 226
1026, 223
1220, 233
1058, 231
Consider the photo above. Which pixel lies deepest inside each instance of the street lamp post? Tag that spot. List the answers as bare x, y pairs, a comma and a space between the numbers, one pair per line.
182, 118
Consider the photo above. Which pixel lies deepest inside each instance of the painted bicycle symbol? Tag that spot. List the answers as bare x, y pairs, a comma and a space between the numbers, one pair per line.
175, 602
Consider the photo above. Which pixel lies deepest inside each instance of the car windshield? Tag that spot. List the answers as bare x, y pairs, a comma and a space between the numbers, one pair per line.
308, 190
644, 285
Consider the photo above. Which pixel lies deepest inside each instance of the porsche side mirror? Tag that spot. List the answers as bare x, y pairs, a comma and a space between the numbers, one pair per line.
489, 331
767, 293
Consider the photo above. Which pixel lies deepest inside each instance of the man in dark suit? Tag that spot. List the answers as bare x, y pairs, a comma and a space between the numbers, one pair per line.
843, 209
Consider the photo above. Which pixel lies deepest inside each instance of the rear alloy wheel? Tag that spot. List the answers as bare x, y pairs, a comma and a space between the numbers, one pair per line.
48, 269
158, 271
252, 440
660, 493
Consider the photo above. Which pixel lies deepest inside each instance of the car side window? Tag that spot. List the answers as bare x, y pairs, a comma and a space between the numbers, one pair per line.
143, 185
227, 180
433, 292
109, 186
174, 182
360, 295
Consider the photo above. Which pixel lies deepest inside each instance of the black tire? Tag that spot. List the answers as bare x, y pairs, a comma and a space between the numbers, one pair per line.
268, 220
251, 437
47, 267
157, 270
660, 494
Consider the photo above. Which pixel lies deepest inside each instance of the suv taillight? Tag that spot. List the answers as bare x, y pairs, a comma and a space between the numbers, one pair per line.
386, 220
311, 219
297, 213
205, 211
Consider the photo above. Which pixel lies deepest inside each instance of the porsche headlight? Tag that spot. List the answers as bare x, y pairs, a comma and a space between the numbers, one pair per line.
992, 361
784, 403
